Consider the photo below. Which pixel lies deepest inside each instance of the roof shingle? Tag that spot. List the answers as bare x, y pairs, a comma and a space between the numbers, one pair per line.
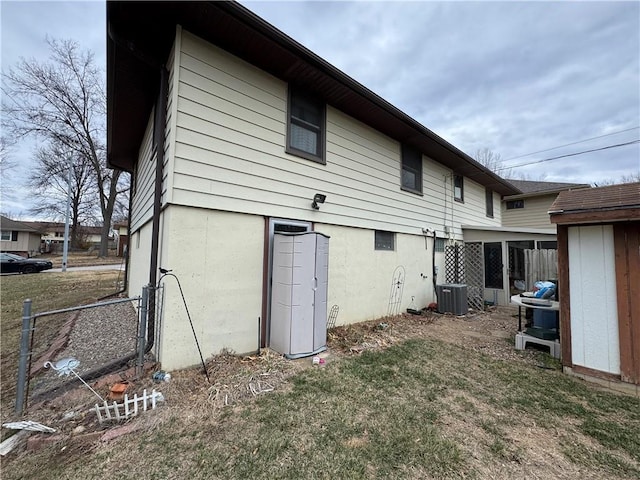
623, 196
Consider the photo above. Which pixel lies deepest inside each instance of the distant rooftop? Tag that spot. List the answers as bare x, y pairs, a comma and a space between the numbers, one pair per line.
8, 224
530, 187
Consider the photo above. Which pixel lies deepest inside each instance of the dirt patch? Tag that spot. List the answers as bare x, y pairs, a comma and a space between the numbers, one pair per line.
491, 332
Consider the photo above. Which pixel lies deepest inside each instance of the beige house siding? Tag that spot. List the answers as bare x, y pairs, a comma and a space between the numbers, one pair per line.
230, 155
144, 177
226, 172
27, 243
533, 215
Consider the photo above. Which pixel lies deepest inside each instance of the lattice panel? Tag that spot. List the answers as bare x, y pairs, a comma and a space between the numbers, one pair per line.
474, 275
454, 263
464, 264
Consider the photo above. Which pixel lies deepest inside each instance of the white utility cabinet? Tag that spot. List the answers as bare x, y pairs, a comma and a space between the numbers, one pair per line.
299, 293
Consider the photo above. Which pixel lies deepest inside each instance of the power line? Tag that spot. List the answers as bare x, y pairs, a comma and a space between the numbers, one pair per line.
568, 155
572, 143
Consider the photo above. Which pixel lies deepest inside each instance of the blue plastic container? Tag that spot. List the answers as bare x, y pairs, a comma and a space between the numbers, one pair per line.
545, 318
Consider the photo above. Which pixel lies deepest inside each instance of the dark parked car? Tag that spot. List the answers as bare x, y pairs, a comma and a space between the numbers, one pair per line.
16, 263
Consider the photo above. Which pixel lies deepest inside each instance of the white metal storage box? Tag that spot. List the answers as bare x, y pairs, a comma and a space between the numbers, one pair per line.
299, 293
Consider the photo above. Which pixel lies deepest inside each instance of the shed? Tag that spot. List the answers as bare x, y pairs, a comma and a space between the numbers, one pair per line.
599, 283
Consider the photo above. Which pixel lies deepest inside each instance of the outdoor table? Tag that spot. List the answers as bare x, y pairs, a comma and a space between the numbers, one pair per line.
523, 338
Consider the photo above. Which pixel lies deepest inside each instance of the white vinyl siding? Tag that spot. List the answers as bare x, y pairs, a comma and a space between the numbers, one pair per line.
533, 215
142, 200
594, 312
230, 155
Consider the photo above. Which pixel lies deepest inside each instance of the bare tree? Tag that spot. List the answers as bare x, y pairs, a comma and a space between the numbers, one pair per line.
629, 178
7, 166
62, 101
53, 188
493, 161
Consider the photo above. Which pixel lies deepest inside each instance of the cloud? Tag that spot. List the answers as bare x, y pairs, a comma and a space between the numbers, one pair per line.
515, 77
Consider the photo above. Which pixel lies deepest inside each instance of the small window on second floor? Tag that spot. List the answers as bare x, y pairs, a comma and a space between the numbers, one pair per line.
489, 202
385, 240
458, 188
411, 172
513, 204
305, 126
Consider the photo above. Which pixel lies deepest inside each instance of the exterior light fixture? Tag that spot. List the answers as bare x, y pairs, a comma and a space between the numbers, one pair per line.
318, 198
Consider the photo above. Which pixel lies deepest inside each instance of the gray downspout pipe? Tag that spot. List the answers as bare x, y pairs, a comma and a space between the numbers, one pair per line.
160, 118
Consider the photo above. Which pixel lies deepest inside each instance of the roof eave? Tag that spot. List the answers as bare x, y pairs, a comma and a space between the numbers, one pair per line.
129, 99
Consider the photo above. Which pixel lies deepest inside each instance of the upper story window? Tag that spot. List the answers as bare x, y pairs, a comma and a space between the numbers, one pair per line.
458, 188
513, 204
5, 235
488, 194
306, 126
411, 174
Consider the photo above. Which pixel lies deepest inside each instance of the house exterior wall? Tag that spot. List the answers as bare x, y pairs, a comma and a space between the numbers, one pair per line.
533, 215
230, 155
226, 172
143, 180
218, 258
360, 277
27, 244
592, 290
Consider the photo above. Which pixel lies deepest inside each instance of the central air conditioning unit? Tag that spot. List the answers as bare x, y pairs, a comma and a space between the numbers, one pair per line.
452, 298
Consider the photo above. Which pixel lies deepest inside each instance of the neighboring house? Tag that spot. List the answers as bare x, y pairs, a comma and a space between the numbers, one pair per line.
53, 235
122, 234
19, 238
231, 129
599, 282
530, 208
513, 259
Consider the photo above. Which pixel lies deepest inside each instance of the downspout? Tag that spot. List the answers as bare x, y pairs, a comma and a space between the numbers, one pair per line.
435, 268
159, 140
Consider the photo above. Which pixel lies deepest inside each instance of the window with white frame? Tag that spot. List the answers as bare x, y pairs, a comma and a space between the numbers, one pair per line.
5, 235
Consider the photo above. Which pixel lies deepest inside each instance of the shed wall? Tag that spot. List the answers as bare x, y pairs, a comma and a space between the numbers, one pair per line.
592, 280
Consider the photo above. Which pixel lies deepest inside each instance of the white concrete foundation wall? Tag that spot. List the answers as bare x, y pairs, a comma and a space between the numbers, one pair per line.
218, 257
360, 277
594, 312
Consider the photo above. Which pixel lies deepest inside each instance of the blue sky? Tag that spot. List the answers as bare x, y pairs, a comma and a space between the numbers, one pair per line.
514, 77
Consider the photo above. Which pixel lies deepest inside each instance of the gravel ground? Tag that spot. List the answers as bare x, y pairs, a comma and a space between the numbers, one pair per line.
100, 335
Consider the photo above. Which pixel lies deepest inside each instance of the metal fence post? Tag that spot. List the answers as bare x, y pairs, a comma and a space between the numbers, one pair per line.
142, 329
24, 355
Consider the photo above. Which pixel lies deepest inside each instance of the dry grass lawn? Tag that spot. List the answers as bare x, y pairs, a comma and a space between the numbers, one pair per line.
407, 397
